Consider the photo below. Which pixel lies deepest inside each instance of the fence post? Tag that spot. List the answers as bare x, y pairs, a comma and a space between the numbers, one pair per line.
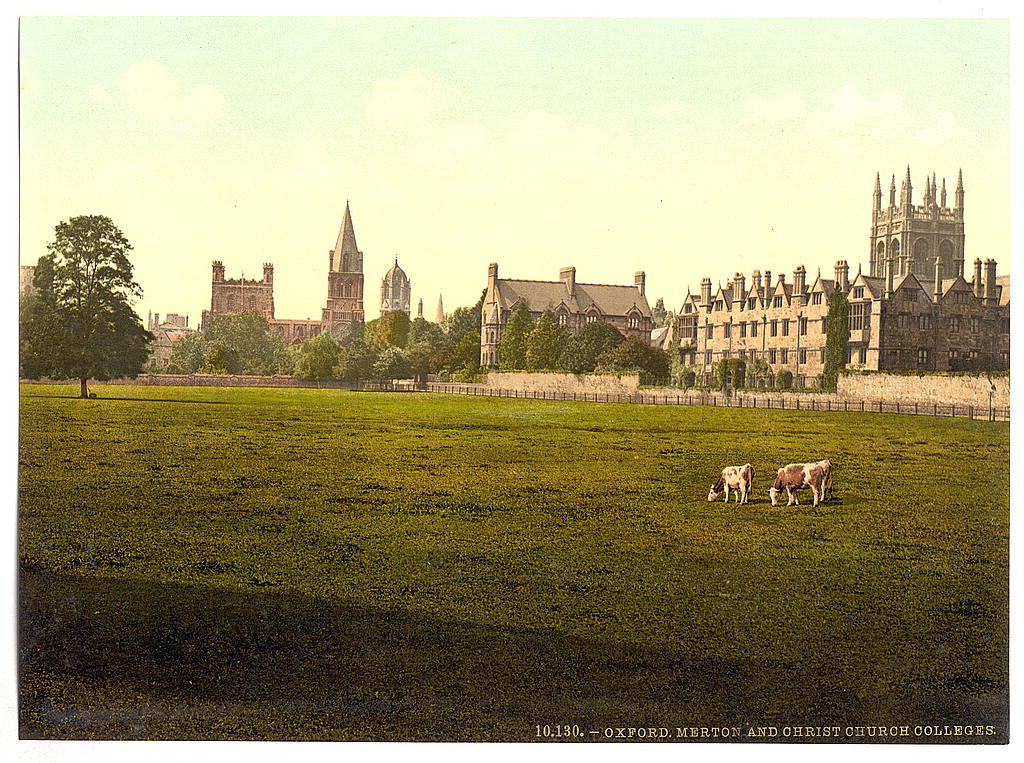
970, 411
897, 406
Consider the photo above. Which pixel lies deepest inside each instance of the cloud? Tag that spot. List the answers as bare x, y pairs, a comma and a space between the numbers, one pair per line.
849, 108
786, 107
414, 99
147, 88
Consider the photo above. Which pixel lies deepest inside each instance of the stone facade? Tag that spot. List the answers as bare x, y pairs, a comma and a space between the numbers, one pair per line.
898, 321
934, 389
611, 384
396, 292
573, 304
240, 295
26, 276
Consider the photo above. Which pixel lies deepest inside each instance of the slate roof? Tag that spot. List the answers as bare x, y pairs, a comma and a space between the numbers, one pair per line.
547, 295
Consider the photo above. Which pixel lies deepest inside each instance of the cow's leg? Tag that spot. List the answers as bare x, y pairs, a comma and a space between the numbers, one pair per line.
727, 492
814, 492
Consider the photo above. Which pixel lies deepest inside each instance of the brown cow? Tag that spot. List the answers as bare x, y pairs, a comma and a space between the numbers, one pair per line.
816, 475
739, 478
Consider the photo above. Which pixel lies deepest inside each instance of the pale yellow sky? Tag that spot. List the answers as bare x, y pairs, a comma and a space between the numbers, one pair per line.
680, 147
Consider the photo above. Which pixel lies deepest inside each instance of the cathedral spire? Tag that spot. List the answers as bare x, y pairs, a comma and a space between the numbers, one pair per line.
892, 192
960, 190
877, 198
942, 199
346, 257
907, 190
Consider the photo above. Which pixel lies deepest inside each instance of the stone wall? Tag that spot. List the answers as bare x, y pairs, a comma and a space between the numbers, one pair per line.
601, 384
926, 389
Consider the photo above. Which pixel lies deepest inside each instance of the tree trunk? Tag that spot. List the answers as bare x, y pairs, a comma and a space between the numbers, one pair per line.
85, 388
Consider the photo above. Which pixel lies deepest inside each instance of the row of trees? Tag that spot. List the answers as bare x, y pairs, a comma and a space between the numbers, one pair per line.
541, 344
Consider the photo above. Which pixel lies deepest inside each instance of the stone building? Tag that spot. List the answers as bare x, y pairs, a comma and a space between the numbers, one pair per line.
573, 304
26, 275
165, 333
902, 319
396, 291
344, 281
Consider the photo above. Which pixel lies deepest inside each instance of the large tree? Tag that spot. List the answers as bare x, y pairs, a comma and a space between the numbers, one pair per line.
837, 337
581, 350
389, 330
543, 345
318, 358
187, 354
248, 335
636, 355
514, 337
80, 323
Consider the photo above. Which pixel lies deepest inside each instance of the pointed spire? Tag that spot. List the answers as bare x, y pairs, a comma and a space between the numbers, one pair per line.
346, 253
960, 190
892, 192
927, 189
439, 318
942, 198
878, 191
907, 192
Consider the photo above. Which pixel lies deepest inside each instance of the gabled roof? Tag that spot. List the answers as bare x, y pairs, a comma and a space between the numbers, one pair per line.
908, 281
874, 284
1003, 289
607, 299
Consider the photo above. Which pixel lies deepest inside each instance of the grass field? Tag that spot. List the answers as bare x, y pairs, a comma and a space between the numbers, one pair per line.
210, 563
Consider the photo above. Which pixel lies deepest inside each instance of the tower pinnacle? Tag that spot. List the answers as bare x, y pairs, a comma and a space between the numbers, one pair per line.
346, 257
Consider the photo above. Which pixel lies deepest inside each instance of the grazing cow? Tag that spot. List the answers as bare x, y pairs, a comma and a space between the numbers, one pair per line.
739, 478
816, 475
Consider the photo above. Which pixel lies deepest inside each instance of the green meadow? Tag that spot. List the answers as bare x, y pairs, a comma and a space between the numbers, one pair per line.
217, 563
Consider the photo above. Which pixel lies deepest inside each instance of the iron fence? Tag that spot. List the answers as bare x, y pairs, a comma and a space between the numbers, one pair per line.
794, 403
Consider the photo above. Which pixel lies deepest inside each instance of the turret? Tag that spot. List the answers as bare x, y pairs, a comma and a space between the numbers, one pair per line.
938, 280
492, 282
218, 271
268, 272
640, 281
892, 192
976, 283
419, 309
907, 191
942, 202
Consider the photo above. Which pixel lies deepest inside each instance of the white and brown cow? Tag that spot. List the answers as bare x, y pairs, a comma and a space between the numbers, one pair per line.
739, 478
816, 475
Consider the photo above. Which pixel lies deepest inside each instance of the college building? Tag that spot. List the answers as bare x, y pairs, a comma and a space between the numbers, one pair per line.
913, 310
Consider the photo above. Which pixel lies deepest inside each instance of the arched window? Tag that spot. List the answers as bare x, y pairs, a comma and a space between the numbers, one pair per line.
919, 266
946, 253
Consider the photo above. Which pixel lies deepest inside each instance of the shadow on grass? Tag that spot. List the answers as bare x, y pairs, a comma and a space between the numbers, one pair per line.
112, 658
133, 399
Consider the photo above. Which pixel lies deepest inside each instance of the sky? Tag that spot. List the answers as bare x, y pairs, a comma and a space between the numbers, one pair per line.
685, 148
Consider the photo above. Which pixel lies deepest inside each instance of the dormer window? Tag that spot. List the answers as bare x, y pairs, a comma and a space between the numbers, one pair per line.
816, 298
719, 304
752, 303
858, 292
777, 302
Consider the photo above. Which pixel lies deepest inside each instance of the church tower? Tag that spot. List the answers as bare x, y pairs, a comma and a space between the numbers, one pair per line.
344, 281
909, 237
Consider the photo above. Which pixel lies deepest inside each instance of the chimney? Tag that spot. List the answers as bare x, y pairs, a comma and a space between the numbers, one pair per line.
268, 272
492, 281
767, 288
755, 282
739, 290
639, 280
799, 282
156, 320
990, 281
889, 266
977, 278
842, 276
568, 277
705, 292
938, 280
218, 270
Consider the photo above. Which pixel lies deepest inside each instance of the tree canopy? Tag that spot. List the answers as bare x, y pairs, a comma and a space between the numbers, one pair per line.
80, 323
581, 350
543, 345
514, 337
634, 354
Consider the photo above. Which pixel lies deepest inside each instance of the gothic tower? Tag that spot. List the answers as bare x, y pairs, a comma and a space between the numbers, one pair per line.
344, 281
909, 237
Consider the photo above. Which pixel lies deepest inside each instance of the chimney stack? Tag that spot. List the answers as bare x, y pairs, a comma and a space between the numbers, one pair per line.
739, 290
705, 292
978, 292
492, 278
767, 288
640, 281
889, 264
568, 277
938, 280
990, 281
799, 282
842, 276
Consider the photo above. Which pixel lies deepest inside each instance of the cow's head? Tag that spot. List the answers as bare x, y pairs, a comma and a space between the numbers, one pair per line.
773, 493
713, 494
